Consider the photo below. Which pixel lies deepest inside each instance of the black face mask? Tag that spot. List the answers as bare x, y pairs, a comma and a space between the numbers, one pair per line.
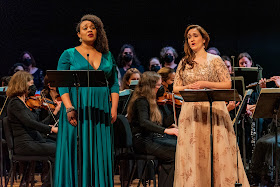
170, 87
155, 68
160, 91
127, 57
27, 62
168, 58
32, 90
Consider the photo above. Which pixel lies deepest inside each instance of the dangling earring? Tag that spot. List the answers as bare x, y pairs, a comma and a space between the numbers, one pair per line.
80, 40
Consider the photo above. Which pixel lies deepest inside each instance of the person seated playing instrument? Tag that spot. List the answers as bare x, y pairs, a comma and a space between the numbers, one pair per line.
24, 124
149, 128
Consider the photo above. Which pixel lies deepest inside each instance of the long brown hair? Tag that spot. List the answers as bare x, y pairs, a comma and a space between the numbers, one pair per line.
189, 54
18, 84
145, 88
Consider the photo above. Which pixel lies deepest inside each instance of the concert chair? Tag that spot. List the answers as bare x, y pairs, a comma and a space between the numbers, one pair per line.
123, 142
14, 158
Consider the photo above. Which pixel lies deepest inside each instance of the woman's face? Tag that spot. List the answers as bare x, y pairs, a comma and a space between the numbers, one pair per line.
88, 32
26, 56
154, 62
127, 51
245, 62
228, 64
30, 83
195, 40
171, 78
158, 84
134, 76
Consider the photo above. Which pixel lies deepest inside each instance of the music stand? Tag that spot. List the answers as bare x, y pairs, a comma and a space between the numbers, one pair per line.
268, 107
250, 74
77, 78
209, 95
239, 84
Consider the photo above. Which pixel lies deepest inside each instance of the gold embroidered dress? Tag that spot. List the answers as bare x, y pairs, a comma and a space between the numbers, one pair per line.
193, 159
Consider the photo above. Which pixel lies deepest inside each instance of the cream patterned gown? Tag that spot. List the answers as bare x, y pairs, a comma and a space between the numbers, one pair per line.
193, 160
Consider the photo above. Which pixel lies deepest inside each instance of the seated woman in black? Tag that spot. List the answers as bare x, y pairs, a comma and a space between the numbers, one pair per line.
25, 127
148, 127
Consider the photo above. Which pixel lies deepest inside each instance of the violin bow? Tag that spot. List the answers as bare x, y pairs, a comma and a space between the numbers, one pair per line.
44, 97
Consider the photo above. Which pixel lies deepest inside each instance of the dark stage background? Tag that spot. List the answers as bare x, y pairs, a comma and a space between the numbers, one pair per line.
47, 28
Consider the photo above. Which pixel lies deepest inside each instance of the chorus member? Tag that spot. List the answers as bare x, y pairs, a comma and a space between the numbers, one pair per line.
154, 64
227, 62
199, 70
127, 59
96, 132
131, 74
15, 68
24, 124
214, 51
29, 62
168, 55
148, 127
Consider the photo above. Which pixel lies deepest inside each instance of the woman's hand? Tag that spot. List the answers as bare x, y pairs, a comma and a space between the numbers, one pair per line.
231, 105
171, 131
54, 129
57, 108
198, 85
276, 79
72, 118
262, 83
113, 115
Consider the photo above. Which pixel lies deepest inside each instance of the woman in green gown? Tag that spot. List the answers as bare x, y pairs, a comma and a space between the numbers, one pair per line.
96, 132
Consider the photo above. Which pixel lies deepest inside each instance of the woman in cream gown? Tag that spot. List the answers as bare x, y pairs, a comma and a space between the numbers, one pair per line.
198, 70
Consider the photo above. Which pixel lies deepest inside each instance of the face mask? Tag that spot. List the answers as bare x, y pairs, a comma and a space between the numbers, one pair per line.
155, 68
170, 87
27, 62
32, 90
168, 58
160, 91
127, 57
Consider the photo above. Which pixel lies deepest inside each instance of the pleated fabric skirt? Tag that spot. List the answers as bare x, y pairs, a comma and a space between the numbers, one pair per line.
96, 135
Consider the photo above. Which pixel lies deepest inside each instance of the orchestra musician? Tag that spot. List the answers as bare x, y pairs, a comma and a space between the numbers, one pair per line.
149, 128
25, 125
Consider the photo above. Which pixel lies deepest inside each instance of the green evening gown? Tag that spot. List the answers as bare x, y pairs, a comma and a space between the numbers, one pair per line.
95, 134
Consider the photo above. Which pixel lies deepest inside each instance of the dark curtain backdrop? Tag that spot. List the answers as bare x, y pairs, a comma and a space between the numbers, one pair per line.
47, 28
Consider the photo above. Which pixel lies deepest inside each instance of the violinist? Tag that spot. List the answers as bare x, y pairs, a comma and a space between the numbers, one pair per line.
25, 125
52, 100
168, 76
149, 130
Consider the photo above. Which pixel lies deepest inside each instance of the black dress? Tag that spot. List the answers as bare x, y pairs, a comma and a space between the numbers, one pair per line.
26, 131
149, 138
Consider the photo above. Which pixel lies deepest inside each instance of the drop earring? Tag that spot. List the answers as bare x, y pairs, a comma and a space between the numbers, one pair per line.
80, 40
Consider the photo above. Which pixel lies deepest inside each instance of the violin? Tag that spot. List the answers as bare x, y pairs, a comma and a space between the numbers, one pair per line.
36, 102
167, 98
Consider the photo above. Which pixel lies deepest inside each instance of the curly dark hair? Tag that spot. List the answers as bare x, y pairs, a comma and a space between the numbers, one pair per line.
101, 43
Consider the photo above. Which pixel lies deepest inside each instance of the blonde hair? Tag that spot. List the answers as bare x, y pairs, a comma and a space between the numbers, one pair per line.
127, 76
18, 84
145, 88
